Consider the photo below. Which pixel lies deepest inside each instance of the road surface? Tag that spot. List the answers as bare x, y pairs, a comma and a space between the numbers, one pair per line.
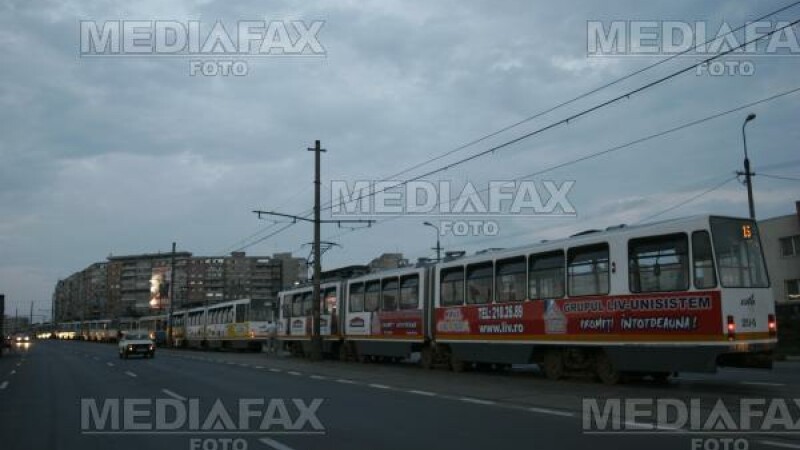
79, 395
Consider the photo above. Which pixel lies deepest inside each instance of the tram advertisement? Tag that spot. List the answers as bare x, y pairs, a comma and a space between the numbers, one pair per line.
690, 313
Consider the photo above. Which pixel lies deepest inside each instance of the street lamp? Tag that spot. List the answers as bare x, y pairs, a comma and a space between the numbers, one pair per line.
438, 247
747, 173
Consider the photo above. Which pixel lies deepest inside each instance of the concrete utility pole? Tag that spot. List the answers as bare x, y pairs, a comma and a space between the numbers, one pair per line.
747, 173
2, 323
171, 295
316, 336
438, 247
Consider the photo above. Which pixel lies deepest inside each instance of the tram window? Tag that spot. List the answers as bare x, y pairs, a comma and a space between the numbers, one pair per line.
328, 300
546, 275
357, 297
479, 283
372, 296
740, 260
452, 286
286, 307
308, 303
703, 261
658, 263
588, 270
409, 292
297, 305
389, 294
510, 278
241, 313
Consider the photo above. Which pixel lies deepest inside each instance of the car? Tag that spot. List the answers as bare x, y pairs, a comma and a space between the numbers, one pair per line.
22, 338
136, 342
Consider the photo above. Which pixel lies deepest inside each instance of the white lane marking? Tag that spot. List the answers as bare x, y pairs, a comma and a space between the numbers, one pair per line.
552, 412
779, 444
110, 364
426, 393
275, 444
19, 364
95, 358
4, 385
650, 426
477, 401
173, 395
292, 372
258, 367
345, 381
13, 372
130, 374
318, 377
275, 370
379, 386
761, 383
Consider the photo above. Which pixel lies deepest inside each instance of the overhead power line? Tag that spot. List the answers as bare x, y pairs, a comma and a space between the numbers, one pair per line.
688, 200
778, 177
570, 101
328, 205
581, 96
570, 118
262, 239
616, 148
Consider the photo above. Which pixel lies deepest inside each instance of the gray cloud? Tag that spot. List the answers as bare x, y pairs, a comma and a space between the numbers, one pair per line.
126, 155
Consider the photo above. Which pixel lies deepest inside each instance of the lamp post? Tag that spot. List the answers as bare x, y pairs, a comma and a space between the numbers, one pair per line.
747, 173
438, 247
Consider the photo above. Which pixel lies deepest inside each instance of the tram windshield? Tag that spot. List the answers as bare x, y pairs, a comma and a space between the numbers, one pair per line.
740, 258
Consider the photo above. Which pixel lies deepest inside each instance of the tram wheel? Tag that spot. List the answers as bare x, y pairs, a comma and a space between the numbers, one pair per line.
661, 377
426, 358
457, 365
605, 371
553, 365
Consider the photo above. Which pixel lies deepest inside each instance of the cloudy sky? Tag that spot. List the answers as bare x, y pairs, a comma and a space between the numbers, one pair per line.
123, 155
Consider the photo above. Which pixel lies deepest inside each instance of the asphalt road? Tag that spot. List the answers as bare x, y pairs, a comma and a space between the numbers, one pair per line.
53, 395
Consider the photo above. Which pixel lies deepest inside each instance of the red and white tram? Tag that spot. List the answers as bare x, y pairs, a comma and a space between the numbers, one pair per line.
385, 314
688, 294
295, 321
682, 295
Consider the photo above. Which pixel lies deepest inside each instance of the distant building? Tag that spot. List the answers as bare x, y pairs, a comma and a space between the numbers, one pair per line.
132, 280
137, 285
388, 261
780, 237
294, 269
